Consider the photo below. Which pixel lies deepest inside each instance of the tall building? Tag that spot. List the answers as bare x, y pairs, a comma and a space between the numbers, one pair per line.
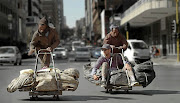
97, 8
12, 22
62, 20
80, 28
22, 14
150, 20
53, 10
34, 9
88, 19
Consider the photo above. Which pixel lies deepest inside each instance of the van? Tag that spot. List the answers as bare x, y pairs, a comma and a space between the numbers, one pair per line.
137, 51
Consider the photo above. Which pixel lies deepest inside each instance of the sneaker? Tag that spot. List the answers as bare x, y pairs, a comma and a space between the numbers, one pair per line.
103, 83
134, 83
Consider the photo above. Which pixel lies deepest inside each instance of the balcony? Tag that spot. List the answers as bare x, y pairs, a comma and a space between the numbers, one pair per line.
145, 12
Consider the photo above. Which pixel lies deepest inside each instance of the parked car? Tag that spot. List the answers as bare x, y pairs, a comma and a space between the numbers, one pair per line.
10, 54
60, 52
137, 51
96, 53
82, 53
91, 48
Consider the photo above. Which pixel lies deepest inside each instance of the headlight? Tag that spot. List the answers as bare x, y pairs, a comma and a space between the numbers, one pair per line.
63, 53
96, 53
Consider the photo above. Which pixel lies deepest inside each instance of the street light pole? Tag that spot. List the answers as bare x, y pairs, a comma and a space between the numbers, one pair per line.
177, 23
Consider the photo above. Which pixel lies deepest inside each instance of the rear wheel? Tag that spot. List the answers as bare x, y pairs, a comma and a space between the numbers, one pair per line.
109, 91
56, 97
34, 98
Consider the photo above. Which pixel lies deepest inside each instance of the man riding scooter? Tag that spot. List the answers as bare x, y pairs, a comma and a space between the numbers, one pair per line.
104, 63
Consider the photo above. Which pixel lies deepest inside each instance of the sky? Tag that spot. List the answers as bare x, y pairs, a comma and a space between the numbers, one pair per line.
73, 10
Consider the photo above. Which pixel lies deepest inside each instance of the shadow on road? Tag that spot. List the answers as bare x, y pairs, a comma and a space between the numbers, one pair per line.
90, 97
78, 98
146, 92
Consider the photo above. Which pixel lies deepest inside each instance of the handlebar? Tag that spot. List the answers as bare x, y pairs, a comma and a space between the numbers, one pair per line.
122, 54
41, 51
118, 48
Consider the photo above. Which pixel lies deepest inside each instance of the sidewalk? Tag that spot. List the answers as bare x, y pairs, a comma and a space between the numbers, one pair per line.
168, 60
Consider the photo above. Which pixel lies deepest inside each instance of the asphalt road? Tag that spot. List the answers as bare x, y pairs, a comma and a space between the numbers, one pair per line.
164, 89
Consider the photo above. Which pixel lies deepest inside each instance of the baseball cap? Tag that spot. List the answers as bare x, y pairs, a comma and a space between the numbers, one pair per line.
106, 46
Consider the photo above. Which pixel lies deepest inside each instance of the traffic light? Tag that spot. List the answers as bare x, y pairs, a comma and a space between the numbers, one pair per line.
127, 27
173, 27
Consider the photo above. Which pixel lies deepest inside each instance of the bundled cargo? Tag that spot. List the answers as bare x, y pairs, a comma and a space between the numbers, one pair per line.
45, 80
87, 73
144, 73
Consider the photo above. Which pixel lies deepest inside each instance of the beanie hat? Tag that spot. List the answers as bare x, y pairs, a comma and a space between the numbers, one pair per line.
43, 21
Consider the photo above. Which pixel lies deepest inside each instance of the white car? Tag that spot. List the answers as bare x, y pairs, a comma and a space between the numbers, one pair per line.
76, 44
10, 54
82, 53
137, 51
60, 52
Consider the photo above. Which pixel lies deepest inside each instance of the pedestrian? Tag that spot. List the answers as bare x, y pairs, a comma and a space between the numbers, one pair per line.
44, 38
156, 51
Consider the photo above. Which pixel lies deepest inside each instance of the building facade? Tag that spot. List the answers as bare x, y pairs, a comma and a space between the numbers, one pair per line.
88, 19
150, 20
12, 22
34, 8
53, 10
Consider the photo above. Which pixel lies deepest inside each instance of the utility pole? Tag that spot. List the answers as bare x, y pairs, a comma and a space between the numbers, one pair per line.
127, 35
177, 30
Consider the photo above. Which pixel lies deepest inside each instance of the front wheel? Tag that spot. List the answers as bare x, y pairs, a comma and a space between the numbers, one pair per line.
108, 90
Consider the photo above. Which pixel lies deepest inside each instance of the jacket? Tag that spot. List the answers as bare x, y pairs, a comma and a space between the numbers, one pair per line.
116, 41
40, 41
